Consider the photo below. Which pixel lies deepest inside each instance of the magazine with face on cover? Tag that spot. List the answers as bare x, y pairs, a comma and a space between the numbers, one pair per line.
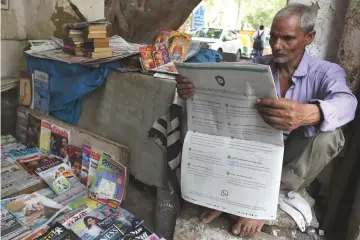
109, 182
75, 160
33, 210
33, 131
59, 142
58, 232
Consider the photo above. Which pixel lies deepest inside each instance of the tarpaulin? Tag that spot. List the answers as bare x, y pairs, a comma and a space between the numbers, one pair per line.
206, 55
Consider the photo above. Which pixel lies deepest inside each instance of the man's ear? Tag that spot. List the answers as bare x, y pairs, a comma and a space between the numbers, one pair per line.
309, 38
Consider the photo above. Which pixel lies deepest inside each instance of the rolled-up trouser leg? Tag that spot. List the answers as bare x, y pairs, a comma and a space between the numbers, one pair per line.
305, 157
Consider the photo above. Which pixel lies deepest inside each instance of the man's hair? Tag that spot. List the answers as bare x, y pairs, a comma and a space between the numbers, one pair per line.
261, 27
306, 14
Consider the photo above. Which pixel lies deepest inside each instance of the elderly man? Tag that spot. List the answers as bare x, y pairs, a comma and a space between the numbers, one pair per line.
314, 102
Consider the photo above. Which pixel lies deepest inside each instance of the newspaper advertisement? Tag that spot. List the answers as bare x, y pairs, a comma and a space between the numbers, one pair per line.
231, 159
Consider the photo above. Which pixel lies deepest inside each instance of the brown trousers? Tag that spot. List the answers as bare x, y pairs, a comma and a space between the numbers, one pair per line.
305, 157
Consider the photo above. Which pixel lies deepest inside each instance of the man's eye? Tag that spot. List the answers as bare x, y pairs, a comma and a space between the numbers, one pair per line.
288, 38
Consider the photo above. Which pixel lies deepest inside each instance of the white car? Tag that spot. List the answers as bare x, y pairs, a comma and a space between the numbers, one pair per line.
221, 40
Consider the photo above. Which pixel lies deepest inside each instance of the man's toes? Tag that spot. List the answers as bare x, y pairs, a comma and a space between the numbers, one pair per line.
237, 227
204, 213
245, 231
211, 215
252, 231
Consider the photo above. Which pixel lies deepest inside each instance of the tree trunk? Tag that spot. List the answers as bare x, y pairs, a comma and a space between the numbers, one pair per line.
139, 21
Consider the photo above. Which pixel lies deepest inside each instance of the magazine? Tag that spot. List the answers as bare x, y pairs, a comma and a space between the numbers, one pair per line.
109, 182
60, 178
6, 150
10, 226
146, 60
93, 164
75, 160
79, 212
85, 163
141, 232
33, 131
33, 163
41, 92
60, 138
7, 139
26, 154
15, 179
100, 219
45, 134
84, 201
33, 210
179, 48
51, 162
58, 232
161, 57
163, 37
21, 125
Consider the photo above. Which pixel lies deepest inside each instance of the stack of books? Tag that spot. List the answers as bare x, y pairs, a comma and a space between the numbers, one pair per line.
74, 40
97, 44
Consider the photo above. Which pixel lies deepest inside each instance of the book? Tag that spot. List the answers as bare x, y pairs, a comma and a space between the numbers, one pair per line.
179, 48
98, 54
33, 131
147, 60
85, 163
81, 53
73, 48
45, 136
41, 92
98, 220
93, 164
25, 89
76, 32
92, 45
58, 232
97, 35
69, 42
97, 27
26, 154
161, 57
10, 226
109, 182
60, 178
33, 210
163, 37
98, 50
75, 160
21, 125
60, 138
97, 40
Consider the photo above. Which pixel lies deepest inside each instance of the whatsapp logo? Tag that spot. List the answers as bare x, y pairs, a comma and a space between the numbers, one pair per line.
220, 80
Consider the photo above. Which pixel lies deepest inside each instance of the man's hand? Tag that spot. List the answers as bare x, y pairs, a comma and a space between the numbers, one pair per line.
287, 115
184, 88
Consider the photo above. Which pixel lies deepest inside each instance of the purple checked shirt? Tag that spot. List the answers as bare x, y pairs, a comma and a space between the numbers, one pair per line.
319, 81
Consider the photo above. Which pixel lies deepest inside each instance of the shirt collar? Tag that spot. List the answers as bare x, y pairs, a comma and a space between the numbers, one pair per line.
303, 67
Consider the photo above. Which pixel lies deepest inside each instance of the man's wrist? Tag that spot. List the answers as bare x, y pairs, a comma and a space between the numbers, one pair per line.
313, 114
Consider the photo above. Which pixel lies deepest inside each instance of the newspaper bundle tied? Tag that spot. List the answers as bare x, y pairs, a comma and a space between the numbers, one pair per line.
231, 159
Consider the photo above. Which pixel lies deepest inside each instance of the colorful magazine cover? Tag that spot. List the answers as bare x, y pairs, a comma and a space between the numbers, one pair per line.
179, 48
41, 91
32, 164
33, 210
109, 182
84, 201
147, 60
97, 221
75, 160
26, 154
161, 57
59, 178
33, 132
50, 163
85, 163
60, 138
6, 150
45, 135
141, 232
58, 232
93, 164
163, 38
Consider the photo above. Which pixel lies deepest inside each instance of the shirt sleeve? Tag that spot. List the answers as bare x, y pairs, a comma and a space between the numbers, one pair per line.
336, 101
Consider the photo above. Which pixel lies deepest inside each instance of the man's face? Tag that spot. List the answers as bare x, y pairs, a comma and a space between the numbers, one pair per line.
158, 59
64, 142
287, 39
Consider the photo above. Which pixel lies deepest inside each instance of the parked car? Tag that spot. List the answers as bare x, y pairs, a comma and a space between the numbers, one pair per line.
221, 40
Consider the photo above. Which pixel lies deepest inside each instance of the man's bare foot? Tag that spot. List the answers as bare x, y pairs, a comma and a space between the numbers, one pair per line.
247, 226
209, 214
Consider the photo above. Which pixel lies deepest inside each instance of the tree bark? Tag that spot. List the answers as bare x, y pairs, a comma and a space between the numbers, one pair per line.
139, 21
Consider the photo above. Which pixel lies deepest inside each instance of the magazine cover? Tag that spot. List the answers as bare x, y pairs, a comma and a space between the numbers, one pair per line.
26, 154
93, 164
100, 219
146, 57
6, 150
163, 38
22, 125
59, 178
84, 201
33, 210
33, 132
179, 48
41, 91
85, 163
60, 138
45, 134
10, 226
58, 232
51, 162
75, 160
80, 211
161, 57
32, 164
109, 182
140, 232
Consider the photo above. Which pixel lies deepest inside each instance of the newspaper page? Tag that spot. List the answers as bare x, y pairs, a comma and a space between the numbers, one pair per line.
231, 158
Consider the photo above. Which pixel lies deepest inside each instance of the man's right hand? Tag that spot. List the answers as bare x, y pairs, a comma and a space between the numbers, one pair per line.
184, 88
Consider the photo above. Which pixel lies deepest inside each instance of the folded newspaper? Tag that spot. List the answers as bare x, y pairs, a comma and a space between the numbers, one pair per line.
231, 159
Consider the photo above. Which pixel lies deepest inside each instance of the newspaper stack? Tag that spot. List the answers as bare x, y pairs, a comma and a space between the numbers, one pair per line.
8, 83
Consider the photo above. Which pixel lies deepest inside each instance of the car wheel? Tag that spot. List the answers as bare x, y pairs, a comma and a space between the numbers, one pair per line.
238, 55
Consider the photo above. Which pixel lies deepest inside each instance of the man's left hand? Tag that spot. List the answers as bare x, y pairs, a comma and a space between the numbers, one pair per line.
287, 115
